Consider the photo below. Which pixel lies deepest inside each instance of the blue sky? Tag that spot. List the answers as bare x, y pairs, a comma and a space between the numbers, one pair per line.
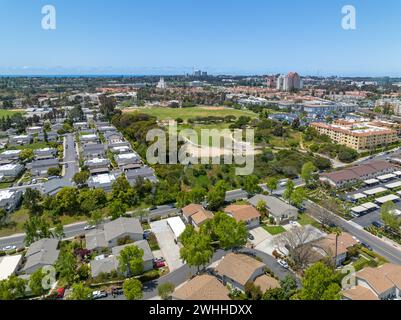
221, 36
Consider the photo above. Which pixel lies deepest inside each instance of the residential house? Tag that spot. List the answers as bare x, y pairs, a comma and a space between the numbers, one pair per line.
104, 265
20, 140
41, 167
10, 199
201, 287
54, 186
50, 136
45, 153
147, 253
196, 214
144, 172
121, 228
383, 283
41, 253
93, 150
34, 130
89, 138
265, 282
281, 211
98, 165
11, 170
10, 155
245, 213
80, 125
103, 181
9, 266
121, 149
128, 161
326, 246
238, 269
107, 128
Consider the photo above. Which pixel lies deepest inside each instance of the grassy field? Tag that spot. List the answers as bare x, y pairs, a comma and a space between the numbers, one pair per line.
274, 230
162, 113
33, 146
4, 113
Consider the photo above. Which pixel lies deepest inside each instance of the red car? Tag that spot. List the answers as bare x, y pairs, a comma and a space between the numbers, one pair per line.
60, 293
159, 264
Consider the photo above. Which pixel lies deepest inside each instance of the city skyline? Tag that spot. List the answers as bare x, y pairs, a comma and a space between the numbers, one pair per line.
160, 38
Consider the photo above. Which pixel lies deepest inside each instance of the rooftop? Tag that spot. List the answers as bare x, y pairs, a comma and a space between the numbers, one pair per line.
203, 287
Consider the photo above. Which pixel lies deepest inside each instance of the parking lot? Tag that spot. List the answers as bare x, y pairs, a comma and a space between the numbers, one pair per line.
373, 215
168, 247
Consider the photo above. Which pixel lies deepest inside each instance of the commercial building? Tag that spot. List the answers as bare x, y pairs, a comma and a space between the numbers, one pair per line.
358, 136
356, 174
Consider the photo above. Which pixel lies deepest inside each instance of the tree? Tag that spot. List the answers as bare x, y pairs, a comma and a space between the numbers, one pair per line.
319, 283
67, 201
252, 291
297, 241
131, 261
116, 209
272, 183
35, 282
12, 288
297, 197
261, 207
226, 230
59, 231
251, 184
216, 196
31, 201
307, 172
197, 250
3, 216
389, 218
80, 178
80, 292
165, 290
289, 189
36, 228
26, 154
96, 218
66, 265
54, 171
132, 289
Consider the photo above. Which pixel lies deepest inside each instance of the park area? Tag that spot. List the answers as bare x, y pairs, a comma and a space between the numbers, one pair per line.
165, 113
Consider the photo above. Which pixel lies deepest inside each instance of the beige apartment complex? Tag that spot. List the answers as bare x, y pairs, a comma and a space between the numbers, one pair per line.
359, 136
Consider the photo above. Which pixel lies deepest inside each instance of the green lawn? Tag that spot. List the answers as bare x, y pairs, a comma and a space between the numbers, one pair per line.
162, 113
274, 230
304, 219
5, 113
16, 223
33, 146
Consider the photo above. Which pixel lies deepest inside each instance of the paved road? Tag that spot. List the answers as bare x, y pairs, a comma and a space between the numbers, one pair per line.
391, 253
70, 157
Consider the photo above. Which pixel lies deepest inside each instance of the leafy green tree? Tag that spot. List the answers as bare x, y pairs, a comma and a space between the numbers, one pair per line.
197, 250
66, 265
35, 282
12, 288
3, 216
31, 201
80, 178
272, 184
319, 283
307, 172
36, 228
252, 291
226, 230
96, 218
131, 260
261, 207
116, 208
59, 231
80, 292
216, 196
289, 189
54, 171
67, 201
26, 154
251, 184
389, 218
298, 196
132, 289
165, 290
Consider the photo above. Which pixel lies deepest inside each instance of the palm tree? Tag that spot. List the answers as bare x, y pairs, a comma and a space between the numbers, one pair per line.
337, 231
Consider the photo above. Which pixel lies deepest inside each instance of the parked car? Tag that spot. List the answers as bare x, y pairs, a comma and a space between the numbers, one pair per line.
34, 181
99, 294
293, 223
159, 264
8, 248
161, 259
117, 291
60, 293
250, 236
282, 263
377, 224
90, 227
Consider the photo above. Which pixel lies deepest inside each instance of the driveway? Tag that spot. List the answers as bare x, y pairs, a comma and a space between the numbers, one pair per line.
165, 238
260, 235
